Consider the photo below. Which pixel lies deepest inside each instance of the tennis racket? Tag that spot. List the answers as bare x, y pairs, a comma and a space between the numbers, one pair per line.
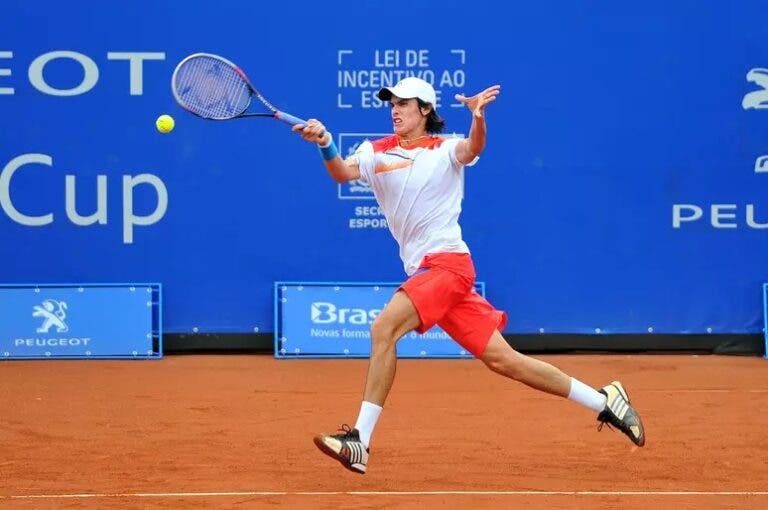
214, 88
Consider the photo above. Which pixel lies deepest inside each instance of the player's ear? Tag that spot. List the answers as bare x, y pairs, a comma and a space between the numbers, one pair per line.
425, 109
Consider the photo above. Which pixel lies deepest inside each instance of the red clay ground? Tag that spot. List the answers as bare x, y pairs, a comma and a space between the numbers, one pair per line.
220, 424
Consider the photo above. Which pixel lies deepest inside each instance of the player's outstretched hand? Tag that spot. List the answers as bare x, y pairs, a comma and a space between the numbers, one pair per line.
313, 131
478, 102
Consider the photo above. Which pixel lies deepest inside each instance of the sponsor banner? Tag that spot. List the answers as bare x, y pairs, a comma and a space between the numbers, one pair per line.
80, 321
618, 192
319, 319
765, 319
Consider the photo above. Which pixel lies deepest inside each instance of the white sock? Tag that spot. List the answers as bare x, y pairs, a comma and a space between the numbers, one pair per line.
586, 396
366, 421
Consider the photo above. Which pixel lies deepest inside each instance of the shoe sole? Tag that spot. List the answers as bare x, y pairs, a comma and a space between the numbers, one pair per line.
318, 440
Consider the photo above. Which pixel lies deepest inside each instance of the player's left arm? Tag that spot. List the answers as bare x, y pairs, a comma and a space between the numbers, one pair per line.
471, 147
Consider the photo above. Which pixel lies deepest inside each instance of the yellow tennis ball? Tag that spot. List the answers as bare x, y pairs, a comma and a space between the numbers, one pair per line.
165, 123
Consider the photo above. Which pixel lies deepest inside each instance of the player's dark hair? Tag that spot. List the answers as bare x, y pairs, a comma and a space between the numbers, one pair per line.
435, 123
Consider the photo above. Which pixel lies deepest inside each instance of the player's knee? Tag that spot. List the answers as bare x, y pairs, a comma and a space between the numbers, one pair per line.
507, 364
382, 333
495, 364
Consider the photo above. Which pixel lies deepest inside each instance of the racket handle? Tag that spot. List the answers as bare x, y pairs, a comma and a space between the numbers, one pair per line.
289, 119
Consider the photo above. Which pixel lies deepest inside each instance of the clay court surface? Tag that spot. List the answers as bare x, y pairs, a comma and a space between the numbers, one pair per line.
235, 431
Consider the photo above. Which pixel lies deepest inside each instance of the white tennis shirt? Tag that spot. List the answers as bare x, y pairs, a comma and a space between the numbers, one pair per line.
419, 189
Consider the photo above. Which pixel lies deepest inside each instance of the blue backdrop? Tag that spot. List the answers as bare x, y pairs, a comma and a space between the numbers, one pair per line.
621, 190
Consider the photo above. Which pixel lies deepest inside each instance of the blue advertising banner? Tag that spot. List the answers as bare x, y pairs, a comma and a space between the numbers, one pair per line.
765, 319
619, 190
333, 319
80, 321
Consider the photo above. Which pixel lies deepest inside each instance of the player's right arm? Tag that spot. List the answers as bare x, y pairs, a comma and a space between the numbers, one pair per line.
340, 170
343, 170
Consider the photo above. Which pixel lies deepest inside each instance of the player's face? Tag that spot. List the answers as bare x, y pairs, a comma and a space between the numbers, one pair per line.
408, 120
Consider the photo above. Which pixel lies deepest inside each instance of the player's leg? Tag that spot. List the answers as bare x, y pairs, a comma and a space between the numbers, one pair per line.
351, 446
476, 325
504, 360
441, 282
395, 320
611, 402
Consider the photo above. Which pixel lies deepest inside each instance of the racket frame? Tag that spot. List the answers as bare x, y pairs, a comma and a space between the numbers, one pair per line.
274, 112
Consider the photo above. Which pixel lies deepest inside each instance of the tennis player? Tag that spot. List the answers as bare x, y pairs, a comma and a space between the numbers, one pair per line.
416, 178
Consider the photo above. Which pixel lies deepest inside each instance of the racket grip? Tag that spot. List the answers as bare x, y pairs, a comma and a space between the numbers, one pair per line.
289, 119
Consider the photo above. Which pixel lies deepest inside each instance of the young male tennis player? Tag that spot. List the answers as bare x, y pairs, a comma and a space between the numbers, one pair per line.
416, 178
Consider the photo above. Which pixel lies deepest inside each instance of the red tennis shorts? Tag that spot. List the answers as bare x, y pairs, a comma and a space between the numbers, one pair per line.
443, 292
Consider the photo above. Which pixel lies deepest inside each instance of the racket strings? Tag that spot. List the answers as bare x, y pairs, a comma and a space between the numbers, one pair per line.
211, 88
